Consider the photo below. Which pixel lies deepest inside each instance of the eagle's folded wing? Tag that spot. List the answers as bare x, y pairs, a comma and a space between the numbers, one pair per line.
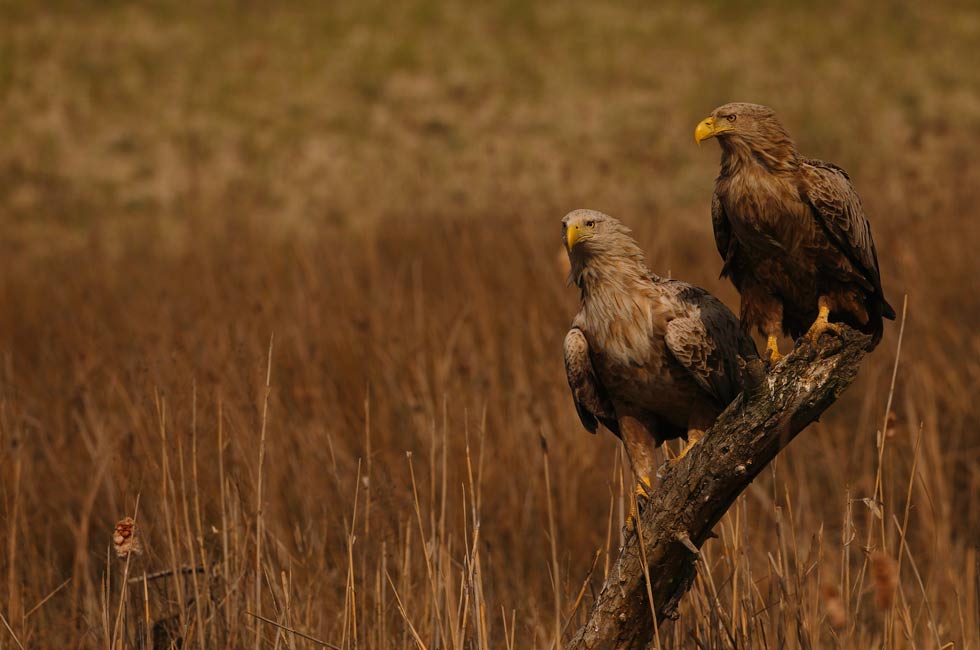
723, 236
708, 343
837, 208
590, 397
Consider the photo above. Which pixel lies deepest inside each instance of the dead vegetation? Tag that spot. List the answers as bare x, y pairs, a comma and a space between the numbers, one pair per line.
287, 280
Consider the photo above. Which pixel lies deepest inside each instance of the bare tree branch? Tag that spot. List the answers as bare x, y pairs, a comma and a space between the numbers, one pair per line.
698, 491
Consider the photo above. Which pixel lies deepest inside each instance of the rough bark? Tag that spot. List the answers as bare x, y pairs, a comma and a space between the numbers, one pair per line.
696, 493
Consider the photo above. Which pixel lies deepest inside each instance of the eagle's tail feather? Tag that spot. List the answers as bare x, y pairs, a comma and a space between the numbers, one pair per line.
879, 309
887, 311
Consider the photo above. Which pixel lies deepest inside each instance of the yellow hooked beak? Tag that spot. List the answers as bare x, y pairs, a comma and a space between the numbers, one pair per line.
708, 129
572, 235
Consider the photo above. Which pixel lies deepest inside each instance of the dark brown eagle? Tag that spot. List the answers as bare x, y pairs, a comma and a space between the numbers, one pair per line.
652, 359
792, 232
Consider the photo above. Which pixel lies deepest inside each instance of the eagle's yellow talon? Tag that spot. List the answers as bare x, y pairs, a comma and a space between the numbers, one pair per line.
821, 325
692, 439
642, 491
772, 348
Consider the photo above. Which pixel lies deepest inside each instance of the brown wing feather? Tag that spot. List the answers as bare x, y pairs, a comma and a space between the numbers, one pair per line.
708, 343
590, 397
836, 205
723, 235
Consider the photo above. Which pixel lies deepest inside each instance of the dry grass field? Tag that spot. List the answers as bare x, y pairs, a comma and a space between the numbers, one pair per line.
285, 285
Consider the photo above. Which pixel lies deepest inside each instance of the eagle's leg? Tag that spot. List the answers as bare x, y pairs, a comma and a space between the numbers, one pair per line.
692, 438
773, 326
642, 492
701, 418
822, 324
640, 444
764, 311
772, 349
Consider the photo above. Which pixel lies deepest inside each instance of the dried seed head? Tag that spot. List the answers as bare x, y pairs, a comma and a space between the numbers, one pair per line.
125, 538
885, 578
833, 607
891, 421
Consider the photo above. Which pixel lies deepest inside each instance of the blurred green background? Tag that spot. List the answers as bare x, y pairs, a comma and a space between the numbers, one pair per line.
157, 116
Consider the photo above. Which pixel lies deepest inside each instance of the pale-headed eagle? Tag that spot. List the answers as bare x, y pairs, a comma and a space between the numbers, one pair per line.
791, 231
651, 359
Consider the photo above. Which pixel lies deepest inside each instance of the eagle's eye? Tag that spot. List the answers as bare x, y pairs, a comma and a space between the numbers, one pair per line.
730, 118
590, 224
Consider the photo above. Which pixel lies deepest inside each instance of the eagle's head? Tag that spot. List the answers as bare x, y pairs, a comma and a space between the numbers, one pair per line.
585, 231
750, 126
595, 240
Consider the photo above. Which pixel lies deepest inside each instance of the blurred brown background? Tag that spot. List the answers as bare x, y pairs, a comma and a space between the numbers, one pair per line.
380, 186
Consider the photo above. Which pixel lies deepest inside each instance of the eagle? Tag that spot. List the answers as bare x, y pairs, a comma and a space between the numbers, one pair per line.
792, 233
650, 358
